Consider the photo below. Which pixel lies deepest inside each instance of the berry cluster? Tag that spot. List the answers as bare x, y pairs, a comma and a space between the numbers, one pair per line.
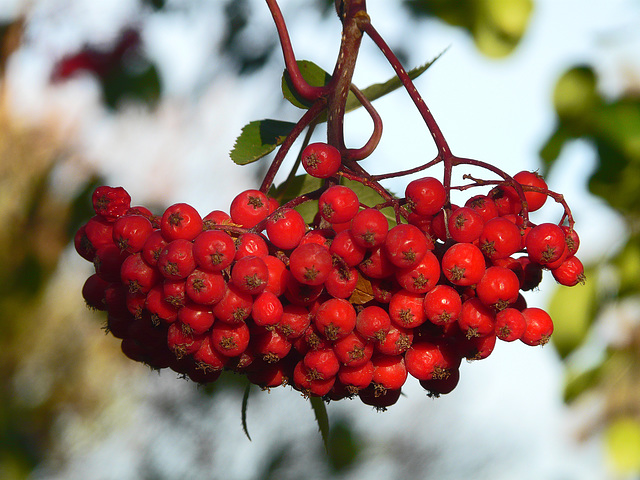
349, 305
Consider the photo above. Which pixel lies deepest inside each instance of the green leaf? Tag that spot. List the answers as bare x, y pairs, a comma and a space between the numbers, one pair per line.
377, 90
245, 401
577, 383
259, 138
572, 310
312, 73
295, 187
370, 197
322, 418
622, 440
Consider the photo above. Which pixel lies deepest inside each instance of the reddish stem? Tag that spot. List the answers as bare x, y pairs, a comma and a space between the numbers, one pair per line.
372, 143
306, 91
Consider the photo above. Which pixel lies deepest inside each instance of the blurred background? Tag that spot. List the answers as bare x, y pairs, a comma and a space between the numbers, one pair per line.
151, 94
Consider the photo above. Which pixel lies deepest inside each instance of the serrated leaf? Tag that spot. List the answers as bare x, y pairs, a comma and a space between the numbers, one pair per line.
322, 419
259, 138
363, 292
377, 90
312, 73
245, 402
317, 77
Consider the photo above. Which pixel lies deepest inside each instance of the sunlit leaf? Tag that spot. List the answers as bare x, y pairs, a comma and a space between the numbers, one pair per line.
363, 292
312, 73
258, 139
295, 187
572, 310
371, 198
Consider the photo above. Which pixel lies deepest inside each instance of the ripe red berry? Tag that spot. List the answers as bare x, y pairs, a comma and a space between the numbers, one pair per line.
483, 205
389, 372
138, 276
213, 250
442, 305
510, 324
234, 307
373, 323
396, 342
250, 275
111, 202
571, 239
356, 378
344, 247
463, 264
310, 264
176, 260
377, 265
321, 363
405, 309
570, 272
465, 225
335, 318
205, 288
405, 245
425, 196
506, 199
130, 232
338, 204
267, 309
546, 243
476, 319
429, 360
369, 228
278, 275
321, 160
286, 228
539, 326
295, 320
422, 277
248, 208
196, 317
535, 200
353, 349
250, 244
153, 247
180, 221
498, 287
341, 282
230, 340
500, 238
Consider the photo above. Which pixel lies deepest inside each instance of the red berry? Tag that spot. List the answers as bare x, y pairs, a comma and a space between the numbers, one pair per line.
310, 264
198, 318
483, 205
138, 276
153, 247
321, 363
344, 247
130, 232
405, 245
442, 305
267, 309
396, 342
510, 324
250, 244
476, 319
571, 239
377, 265
111, 202
405, 309
176, 260
539, 326
356, 378
321, 160
570, 272
335, 318
427, 360
213, 250
278, 275
271, 346
286, 228
465, 225
373, 323
535, 200
546, 243
506, 199
463, 264
500, 238
425, 196
338, 204
498, 287
250, 275
158, 307
341, 282
369, 228
234, 307
180, 221
295, 320
248, 208
205, 288
441, 386
230, 340
422, 277
389, 372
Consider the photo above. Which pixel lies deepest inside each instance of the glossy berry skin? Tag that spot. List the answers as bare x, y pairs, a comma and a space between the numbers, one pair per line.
571, 239
353, 350
176, 260
476, 319
498, 287
248, 208
341, 282
153, 247
535, 200
234, 307
463, 264
250, 244
425, 196
137, 276
321, 160
267, 309
335, 318
442, 305
483, 205
373, 323
250, 275
205, 288
199, 318
111, 202
546, 243
429, 360
389, 372
405, 245
369, 228
510, 324
230, 340
539, 326
344, 247
338, 204
465, 225
422, 277
180, 221
213, 250
500, 238
405, 309
310, 264
286, 228
570, 272
130, 232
